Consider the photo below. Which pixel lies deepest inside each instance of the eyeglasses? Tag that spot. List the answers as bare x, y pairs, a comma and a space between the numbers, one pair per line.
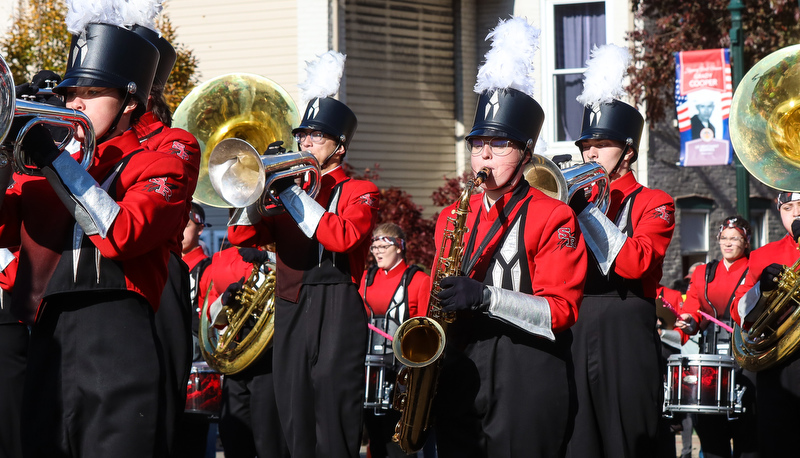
316, 136
733, 240
379, 248
499, 146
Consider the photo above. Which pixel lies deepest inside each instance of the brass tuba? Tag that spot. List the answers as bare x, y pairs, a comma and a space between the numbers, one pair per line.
39, 113
562, 184
249, 112
764, 132
250, 325
249, 107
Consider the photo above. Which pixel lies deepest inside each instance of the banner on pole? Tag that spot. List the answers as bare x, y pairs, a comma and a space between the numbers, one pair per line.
703, 92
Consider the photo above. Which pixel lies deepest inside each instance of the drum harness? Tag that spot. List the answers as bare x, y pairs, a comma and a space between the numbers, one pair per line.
710, 338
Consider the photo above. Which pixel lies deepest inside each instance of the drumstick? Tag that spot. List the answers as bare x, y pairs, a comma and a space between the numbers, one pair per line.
379, 331
724, 326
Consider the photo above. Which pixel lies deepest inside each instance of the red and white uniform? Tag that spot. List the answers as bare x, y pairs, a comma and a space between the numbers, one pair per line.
720, 292
320, 338
193, 257
345, 230
777, 390
151, 190
616, 349
226, 267
383, 291
783, 251
522, 249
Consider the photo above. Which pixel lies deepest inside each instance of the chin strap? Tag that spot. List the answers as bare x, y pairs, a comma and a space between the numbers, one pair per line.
113, 127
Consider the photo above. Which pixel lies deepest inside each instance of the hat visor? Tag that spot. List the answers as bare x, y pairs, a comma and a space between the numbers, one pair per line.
490, 132
61, 89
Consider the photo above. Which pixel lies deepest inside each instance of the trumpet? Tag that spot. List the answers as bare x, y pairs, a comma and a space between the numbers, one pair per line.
562, 184
242, 177
40, 113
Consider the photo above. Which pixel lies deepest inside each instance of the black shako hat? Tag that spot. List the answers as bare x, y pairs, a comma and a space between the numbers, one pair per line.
109, 56
614, 120
508, 113
331, 117
166, 53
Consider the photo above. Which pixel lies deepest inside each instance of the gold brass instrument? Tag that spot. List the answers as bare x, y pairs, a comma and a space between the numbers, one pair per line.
239, 105
562, 184
40, 113
235, 347
419, 342
765, 133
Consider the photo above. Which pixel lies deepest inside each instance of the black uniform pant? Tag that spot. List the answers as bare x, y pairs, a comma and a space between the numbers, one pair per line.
716, 431
319, 353
778, 408
506, 394
173, 327
249, 424
619, 379
380, 429
13, 353
94, 383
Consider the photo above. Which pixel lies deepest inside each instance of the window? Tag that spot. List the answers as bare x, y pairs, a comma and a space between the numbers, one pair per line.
694, 231
758, 221
576, 28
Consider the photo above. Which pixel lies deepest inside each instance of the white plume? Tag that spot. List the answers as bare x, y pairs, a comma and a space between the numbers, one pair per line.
605, 73
541, 146
122, 13
322, 76
509, 63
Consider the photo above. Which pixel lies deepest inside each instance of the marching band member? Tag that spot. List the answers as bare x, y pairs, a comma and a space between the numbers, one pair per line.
320, 338
174, 317
617, 347
505, 384
13, 352
249, 424
711, 291
392, 291
93, 267
777, 390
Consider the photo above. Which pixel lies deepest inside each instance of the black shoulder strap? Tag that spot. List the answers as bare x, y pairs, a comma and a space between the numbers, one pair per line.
371, 274
408, 275
711, 270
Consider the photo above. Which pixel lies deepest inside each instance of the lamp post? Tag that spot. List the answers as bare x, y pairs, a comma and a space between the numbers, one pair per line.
737, 56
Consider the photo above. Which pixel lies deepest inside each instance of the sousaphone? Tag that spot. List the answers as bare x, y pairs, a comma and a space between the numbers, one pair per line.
251, 111
765, 133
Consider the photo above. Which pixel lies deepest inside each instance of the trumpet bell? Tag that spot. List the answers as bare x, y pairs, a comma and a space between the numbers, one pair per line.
241, 177
765, 121
239, 105
562, 184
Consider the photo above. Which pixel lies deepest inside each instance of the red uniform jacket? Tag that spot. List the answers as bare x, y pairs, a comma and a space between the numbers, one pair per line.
384, 286
720, 291
155, 135
151, 190
783, 251
553, 247
226, 267
346, 231
193, 257
649, 226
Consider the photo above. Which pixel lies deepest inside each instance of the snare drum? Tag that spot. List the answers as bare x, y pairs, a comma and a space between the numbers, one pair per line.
702, 384
204, 391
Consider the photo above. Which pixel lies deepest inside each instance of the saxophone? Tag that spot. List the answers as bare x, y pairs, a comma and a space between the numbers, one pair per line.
419, 342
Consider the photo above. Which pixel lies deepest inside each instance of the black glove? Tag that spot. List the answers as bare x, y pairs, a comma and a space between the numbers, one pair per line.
229, 296
275, 148
463, 293
254, 255
578, 201
796, 229
26, 91
770, 277
39, 146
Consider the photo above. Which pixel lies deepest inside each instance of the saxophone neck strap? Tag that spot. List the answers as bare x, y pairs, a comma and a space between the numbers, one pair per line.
470, 258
